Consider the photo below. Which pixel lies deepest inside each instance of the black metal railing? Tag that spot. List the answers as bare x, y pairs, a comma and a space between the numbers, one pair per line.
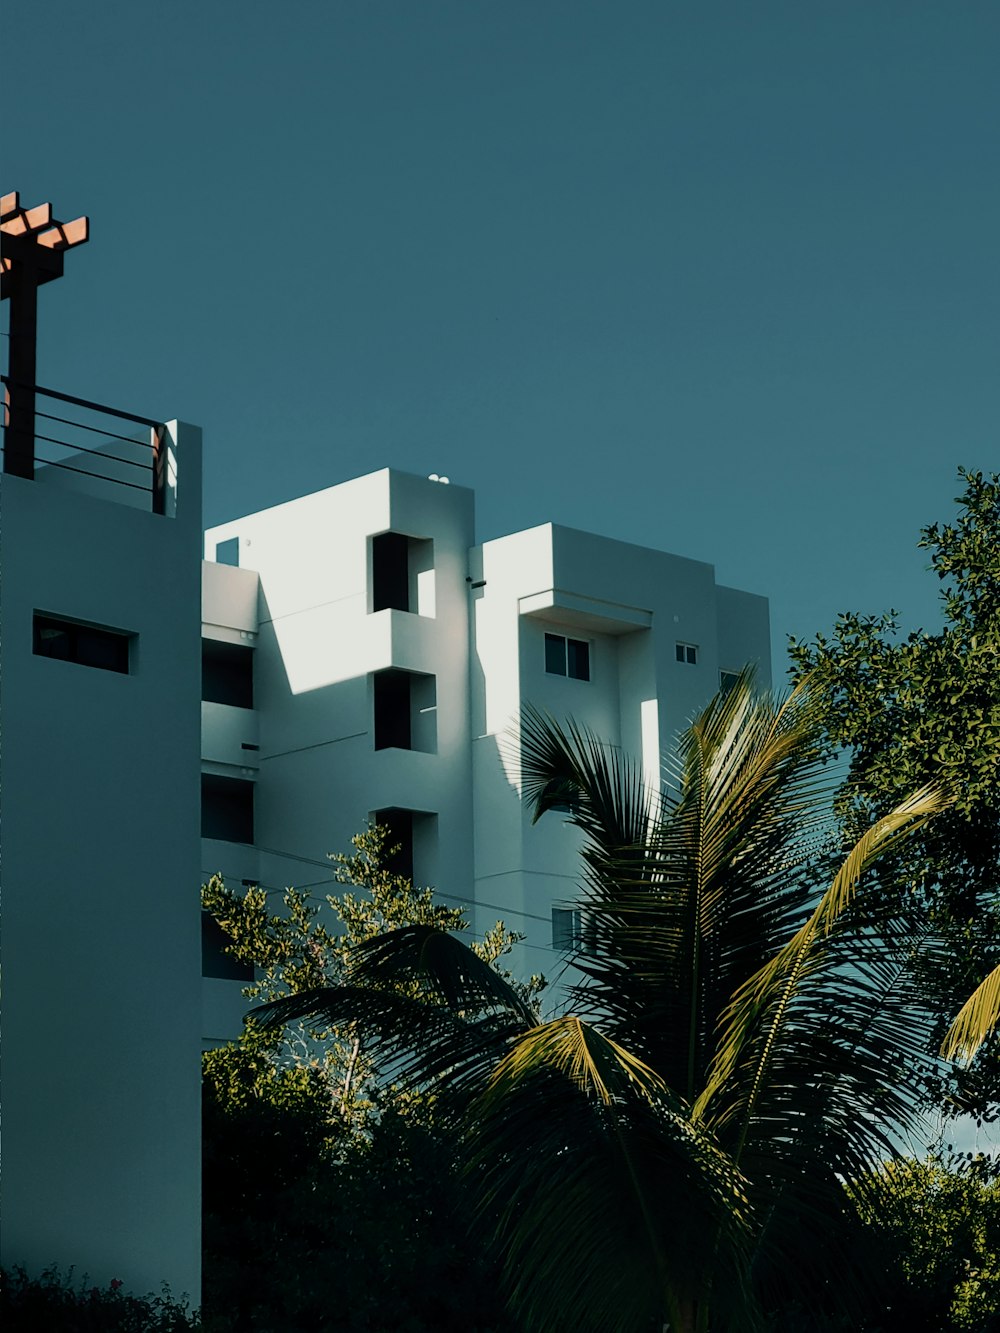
89, 445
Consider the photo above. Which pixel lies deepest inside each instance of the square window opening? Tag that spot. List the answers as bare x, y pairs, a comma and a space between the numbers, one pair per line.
567, 657
226, 673
687, 653
572, 930
227, 808
215, 961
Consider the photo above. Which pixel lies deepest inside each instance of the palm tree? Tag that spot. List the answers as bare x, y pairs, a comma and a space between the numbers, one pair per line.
975, 1020
670, 1151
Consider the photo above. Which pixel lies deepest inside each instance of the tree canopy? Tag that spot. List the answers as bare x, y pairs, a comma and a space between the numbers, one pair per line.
672, 1148
924, 707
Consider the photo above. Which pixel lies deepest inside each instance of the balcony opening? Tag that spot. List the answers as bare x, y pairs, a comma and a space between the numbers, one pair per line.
215, 961
399, 844
226, 808
402, 573
414, 833
404, 711
226, 673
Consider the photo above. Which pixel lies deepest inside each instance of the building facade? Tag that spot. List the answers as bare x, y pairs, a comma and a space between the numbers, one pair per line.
378, 660
360, 657
99, 860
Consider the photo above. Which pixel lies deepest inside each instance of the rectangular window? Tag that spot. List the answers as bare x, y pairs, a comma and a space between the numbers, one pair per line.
390, 572
567, 657
86, 645
565, 929
687, 652
226, 673
391, 698
226, 808
399, 844
573, 930
727, 679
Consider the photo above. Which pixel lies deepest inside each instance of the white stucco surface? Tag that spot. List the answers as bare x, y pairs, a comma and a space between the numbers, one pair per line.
474, 637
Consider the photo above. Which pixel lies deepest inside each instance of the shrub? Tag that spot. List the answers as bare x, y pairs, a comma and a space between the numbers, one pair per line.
59, 1304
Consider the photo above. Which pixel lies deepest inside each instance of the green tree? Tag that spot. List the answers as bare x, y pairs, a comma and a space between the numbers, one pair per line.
925, 708
937, 1223
670, 1150
307, 944
330, 1196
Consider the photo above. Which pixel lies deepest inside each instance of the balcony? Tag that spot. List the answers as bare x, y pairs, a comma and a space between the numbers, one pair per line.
57, 439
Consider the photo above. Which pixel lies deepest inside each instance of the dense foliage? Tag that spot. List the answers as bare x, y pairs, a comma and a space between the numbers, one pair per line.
937, 1223
330, 1195
671, 1150
55, 1302
925, 707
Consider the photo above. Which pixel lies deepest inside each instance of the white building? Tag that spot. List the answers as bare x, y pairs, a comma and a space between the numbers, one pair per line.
360, 657
386, 657
99, 1064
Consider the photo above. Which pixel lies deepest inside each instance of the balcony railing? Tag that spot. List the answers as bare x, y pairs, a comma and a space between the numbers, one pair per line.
87, 447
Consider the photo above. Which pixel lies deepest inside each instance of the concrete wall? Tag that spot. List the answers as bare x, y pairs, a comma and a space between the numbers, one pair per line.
477, 626
319, 777
632, 606
99, 866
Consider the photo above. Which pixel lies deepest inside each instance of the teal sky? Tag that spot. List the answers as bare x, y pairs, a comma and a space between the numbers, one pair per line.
716, 277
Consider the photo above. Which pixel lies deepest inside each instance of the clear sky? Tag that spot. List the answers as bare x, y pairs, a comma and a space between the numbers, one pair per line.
719, 277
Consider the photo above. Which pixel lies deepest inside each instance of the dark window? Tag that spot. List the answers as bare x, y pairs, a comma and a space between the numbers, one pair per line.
86, 645
578, 659
565, 928
404, 708
555, 654
390, 572
567, 657
687, 652
228, 552
226, 673
727, 679
226, 808
399, 844
573, 930
392, 710
215, 962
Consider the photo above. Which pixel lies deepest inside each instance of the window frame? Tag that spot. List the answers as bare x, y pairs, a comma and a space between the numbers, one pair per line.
686, 653
77, 633
557, 649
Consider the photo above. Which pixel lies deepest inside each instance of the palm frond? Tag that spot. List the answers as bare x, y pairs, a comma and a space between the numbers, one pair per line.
414, 1042
439, 963
569, 765
762, 1005
975, 1021
594, 1063
620, 1203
